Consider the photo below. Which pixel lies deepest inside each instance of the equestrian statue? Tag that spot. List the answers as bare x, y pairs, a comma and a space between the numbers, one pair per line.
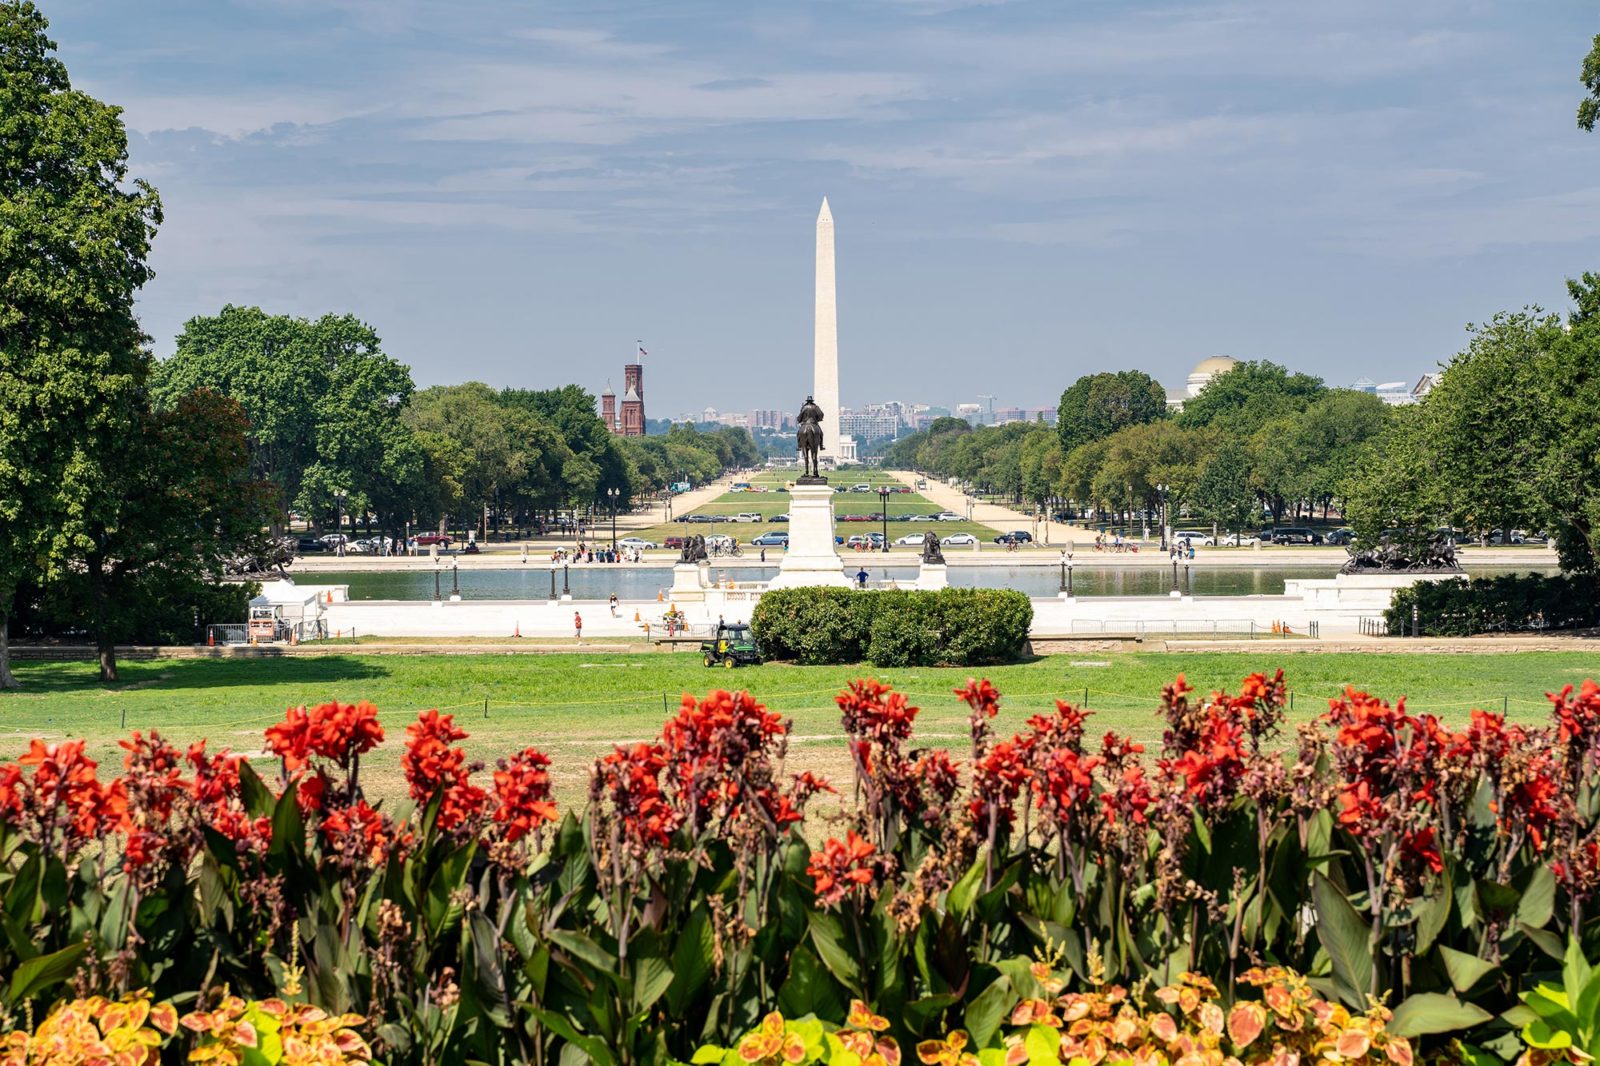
809, 440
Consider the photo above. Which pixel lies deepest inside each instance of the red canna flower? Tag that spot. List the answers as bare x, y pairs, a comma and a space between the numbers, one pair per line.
343, 827
522, 793
844, 868
432, 766
627, 782
290, 739
342, 731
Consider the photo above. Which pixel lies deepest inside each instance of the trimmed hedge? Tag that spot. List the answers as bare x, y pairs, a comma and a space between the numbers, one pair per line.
1511, 603
893, 627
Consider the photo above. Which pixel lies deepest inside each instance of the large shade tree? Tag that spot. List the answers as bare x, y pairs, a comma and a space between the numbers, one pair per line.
75, 235
1098, 405
321, 395
178, 503
1247, 397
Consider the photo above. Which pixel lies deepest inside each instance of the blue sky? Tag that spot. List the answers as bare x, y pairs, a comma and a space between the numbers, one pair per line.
1023, 192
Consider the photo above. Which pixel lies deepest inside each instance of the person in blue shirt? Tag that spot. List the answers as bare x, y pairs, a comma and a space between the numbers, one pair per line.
861, 577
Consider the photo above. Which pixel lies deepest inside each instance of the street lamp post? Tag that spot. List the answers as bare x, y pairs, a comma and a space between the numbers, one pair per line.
1175, 591
1162, 489
1069, 570
436, 596
883, 496
612, 494
552, 582
455, 580
566, 589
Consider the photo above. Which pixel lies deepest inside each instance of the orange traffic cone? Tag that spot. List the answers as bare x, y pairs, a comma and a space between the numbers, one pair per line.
636, 614
517, 633
294, 638
211, 638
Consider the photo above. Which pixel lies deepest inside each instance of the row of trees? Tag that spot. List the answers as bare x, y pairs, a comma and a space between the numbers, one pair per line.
1506, 439
338, 428
1257, 439
128, 487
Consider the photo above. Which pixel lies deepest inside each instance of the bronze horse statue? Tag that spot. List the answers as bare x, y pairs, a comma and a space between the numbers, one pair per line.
809, 438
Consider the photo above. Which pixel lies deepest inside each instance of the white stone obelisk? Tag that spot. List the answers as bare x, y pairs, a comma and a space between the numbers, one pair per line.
826, 341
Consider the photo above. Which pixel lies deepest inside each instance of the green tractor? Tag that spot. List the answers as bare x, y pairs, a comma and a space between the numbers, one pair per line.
733, 645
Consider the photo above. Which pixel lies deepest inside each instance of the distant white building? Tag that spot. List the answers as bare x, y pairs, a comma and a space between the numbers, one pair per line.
1395, 393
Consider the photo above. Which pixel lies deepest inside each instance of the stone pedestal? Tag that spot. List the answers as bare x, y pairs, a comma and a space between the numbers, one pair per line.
933, 576
689, 582
812, 558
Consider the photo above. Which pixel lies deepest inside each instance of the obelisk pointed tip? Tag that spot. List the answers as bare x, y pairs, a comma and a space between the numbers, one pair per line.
825, 212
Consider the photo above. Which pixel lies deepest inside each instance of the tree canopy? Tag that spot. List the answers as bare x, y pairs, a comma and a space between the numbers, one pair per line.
76, 238
1245, 398
321, 396
1098, 405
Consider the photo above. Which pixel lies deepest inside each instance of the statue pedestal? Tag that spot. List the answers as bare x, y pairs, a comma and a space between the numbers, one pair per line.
812, 557
933, 576
689, 582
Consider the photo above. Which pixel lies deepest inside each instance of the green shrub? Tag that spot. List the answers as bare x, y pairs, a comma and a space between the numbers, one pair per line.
1509, 603
893, 627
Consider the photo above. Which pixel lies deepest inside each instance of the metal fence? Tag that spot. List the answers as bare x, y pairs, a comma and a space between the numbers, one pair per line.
227, 634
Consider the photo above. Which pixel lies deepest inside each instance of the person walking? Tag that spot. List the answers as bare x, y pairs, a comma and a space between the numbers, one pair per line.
613, 605
577, 626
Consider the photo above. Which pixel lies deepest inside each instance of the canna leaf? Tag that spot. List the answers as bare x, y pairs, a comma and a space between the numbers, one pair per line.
986, 1011
1464, 970
1345, 937
1434, 1012
44, 971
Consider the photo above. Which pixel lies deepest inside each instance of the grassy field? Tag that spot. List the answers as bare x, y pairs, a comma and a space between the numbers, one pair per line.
774, 502
575, 706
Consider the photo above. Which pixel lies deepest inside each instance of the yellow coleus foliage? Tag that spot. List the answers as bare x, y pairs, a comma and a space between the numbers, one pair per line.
95, 1032
282, 1034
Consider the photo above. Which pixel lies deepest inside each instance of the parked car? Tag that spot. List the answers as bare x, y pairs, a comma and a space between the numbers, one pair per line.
636, 542
919, 518
425, 540
909, 540
921, 484
333, 540
673, 541
719, 540
1239, 540
779, 518
864, 540
863, 487
1199, 538
1016, 536
947, 516
1297, 535
772, 538
308, 545
1267, 535
747, 516
900, 488
957, 540
1342, 536
1499, 536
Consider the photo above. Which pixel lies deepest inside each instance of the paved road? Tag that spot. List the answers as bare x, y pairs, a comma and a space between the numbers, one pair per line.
1000, 519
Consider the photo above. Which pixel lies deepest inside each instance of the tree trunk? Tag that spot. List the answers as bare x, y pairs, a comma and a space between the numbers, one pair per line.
108, 659
7, 679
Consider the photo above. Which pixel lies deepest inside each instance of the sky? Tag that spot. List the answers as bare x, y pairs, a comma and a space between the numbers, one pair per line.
1023, 192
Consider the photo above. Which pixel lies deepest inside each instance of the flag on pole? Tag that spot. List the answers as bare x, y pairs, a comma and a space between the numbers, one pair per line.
642, 351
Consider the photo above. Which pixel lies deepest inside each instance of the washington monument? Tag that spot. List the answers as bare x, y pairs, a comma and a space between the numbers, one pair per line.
826, 384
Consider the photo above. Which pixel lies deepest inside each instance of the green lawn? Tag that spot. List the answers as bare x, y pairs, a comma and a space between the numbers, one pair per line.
575, 706
773, 502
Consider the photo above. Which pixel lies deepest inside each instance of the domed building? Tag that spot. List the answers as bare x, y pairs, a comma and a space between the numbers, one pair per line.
1206, 369
1199, 378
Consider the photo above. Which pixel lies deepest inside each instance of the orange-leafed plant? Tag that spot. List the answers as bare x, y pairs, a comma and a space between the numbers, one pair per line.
122, 1032
275, 1032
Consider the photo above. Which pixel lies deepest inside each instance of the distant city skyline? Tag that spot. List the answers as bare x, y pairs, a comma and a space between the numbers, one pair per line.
1025, 191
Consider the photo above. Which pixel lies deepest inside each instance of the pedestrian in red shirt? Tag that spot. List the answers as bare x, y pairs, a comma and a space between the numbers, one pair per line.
577, 625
